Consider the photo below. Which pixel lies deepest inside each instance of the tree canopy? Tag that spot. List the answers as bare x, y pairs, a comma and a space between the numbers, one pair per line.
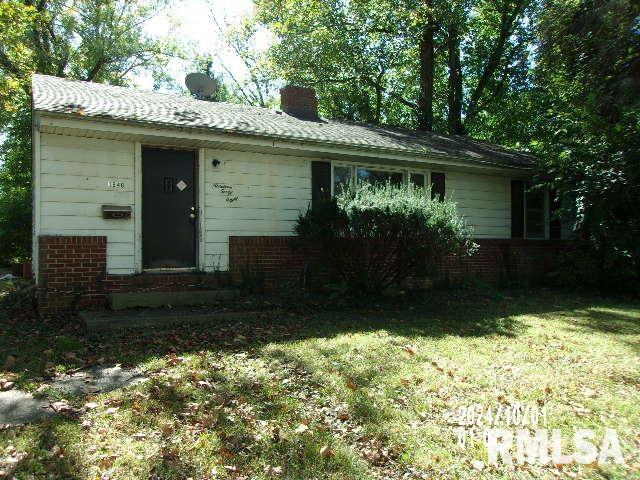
429, 64
96, 40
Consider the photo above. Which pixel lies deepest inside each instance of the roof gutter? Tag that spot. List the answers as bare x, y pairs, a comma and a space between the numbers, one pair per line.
378, 151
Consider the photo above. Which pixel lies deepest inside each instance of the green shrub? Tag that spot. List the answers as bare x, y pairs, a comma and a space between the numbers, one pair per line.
377, 236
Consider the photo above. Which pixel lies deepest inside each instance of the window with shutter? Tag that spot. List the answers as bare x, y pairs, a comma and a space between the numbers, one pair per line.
555, 226
517, 209
320, 182
437, 186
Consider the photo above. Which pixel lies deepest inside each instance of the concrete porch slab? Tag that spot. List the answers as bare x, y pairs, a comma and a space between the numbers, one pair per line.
156, 319
120, 301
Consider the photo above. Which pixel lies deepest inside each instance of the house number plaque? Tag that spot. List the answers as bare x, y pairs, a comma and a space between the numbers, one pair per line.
115, 184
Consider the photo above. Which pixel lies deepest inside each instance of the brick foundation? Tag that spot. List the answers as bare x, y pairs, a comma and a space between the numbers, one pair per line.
280, 262
72, 275
72, 269
71, 272
271, 261
503, 261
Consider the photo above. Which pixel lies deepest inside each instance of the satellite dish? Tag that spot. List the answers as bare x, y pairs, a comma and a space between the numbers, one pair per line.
200, 85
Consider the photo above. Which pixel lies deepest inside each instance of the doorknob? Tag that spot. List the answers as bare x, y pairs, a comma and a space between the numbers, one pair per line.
192, 215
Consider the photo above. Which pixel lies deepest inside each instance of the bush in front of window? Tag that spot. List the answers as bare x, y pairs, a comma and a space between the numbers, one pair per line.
376, 236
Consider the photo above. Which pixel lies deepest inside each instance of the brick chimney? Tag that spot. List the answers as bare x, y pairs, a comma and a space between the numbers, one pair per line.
299, 102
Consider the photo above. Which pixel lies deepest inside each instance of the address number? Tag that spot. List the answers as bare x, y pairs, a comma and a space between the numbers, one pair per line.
115, 184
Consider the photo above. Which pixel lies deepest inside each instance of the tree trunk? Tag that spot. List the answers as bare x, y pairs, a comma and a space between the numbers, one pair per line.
454, 97
427, 73
508, 19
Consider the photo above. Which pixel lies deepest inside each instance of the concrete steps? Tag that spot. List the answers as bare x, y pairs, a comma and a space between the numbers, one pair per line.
156, 299
152, 320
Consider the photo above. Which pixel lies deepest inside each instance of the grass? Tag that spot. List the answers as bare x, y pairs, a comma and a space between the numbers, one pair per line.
366, 392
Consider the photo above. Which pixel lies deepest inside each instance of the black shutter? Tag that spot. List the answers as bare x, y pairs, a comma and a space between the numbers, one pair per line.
320, 182
437, 186
517, 209
555, 227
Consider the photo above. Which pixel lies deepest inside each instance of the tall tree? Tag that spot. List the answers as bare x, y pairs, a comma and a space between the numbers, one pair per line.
96, 40
589, 139
256, 86
383, 61
427, 69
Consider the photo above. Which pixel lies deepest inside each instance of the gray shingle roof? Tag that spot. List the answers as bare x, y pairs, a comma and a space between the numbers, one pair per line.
53, 94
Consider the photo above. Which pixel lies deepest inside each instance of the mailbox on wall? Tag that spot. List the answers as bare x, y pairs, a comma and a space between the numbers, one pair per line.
116, 211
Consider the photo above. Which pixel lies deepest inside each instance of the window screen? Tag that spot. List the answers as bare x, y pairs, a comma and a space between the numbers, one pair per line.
341, 178
379, 177
416, 179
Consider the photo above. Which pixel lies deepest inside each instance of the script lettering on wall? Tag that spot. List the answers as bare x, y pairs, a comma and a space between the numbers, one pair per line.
226, 190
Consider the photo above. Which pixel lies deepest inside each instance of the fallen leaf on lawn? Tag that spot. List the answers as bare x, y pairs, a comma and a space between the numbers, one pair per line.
6, 385
140, 436
86, 424
90, 405
589, 392
231, 468
410, 350
301, 428
111, 410
326, 452
437, 367
271, 471
351, 384
478, 465
62, 407
225, 452
174, 360
547, 390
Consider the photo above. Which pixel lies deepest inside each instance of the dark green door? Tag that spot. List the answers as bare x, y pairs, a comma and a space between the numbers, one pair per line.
168, 208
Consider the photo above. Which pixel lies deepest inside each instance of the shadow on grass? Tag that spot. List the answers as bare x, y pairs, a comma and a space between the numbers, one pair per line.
607, 320
49, 452
464, 313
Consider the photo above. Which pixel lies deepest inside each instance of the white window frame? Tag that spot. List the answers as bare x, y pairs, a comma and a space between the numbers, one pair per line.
385, 168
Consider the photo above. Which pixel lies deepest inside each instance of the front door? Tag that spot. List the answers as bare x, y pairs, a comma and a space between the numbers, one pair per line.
168, 208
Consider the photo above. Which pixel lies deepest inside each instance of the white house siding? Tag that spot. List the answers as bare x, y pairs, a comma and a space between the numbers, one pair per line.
271, 191
74, 184
484, 201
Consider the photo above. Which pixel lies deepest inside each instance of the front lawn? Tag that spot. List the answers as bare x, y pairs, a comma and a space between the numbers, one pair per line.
367, 392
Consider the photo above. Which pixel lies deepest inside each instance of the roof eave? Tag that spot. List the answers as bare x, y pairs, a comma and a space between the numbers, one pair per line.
426, 154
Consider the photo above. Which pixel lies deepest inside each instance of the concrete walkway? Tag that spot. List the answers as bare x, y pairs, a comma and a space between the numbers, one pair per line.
18, 407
